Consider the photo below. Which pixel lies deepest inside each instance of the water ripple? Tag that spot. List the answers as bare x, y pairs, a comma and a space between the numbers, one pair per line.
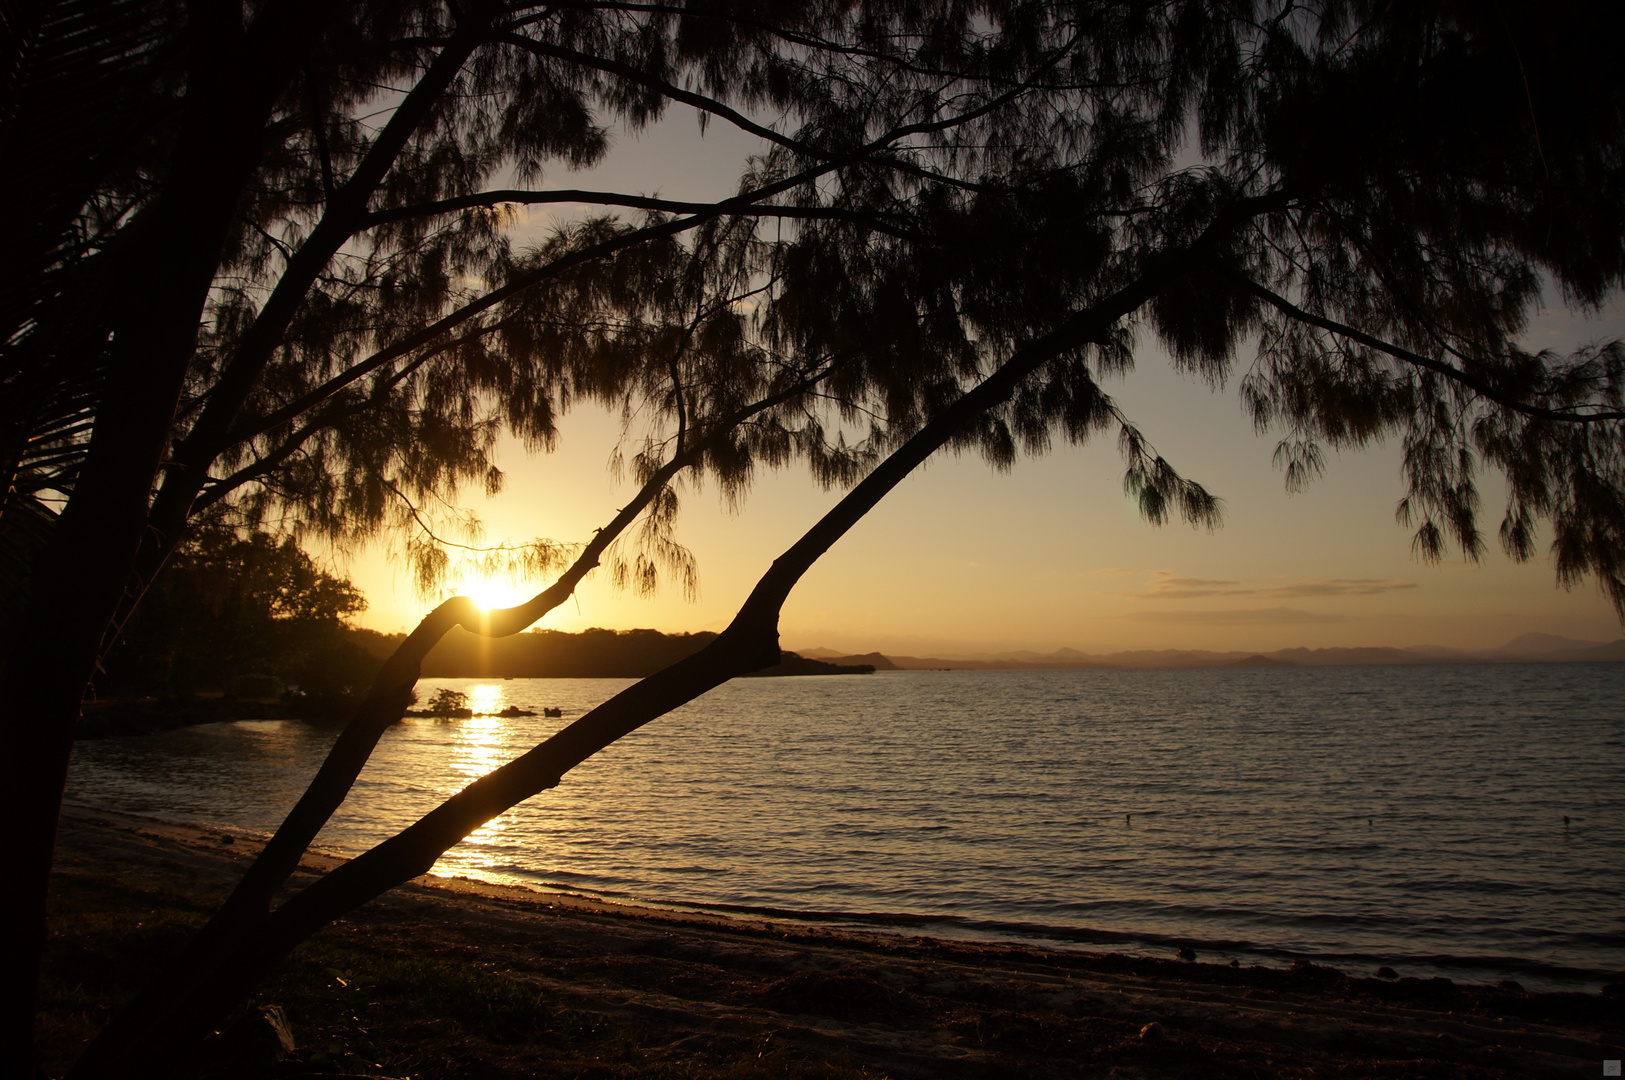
1360, 816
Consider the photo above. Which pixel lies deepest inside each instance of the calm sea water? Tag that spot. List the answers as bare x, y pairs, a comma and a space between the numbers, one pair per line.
1357, 816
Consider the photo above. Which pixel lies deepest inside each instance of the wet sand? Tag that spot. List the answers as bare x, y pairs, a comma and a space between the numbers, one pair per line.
698, 987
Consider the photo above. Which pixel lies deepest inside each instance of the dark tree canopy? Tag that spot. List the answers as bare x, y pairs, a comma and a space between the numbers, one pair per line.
369, 331
225, 607
265, 276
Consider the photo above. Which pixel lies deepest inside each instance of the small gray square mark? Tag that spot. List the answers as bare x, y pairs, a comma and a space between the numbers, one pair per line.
1610, 1068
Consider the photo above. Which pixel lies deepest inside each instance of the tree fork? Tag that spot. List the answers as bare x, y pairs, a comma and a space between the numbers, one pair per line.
749, 643
245, 909
389, 695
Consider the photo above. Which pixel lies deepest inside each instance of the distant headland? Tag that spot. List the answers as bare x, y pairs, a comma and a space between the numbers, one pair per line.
1528, 648
591, 654
632, 654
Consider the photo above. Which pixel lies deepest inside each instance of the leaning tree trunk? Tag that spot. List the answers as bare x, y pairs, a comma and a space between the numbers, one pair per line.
749, 643
246, 909
165, 273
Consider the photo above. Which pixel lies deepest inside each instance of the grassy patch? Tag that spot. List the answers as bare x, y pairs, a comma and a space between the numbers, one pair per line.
103, 939
363, 1010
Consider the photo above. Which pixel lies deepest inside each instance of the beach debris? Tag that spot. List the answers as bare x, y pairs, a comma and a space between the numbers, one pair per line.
1186, 953
1153, 1033
1386, 972
252, 1046
228, 839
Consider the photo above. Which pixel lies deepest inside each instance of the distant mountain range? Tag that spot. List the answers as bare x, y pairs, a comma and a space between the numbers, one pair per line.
1527, 648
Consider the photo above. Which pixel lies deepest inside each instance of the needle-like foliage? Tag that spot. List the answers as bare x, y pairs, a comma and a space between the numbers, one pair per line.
277, 280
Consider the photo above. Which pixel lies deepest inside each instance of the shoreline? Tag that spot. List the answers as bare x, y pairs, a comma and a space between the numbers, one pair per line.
1145, 945
714, 986
1468, 970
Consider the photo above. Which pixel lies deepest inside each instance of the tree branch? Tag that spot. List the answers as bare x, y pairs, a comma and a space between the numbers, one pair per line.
219, 489
669, 90
737, 204
749, 643
615, 198
713, 107
1454, 374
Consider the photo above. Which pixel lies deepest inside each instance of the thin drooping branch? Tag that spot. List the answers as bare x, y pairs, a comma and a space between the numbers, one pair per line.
524, 197
412, 342
824, 45
745, 202
712, 107
326, 418
345, 215
1449, 371
426, 525
636, 75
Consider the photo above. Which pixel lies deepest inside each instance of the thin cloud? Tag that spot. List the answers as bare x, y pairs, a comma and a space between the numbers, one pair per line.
1166, 586
1278, 616
1341, 587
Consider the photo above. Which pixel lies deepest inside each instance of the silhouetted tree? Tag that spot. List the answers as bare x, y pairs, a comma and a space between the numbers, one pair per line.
228, 605
259, 299
974, 211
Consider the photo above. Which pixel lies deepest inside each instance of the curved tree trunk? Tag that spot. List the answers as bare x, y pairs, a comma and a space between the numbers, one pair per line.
749, 643
234, 77
235, 959
246, 909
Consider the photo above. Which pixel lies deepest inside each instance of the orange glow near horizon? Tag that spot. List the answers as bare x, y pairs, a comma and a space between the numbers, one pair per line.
962, 560
1050, 554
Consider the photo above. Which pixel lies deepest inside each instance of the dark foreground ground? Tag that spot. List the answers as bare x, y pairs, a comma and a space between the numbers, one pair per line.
452, 979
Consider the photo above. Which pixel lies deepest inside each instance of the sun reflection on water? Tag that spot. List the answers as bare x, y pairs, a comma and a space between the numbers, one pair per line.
477, 748
486, 698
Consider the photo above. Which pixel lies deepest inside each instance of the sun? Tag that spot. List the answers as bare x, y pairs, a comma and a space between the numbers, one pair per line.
489, 593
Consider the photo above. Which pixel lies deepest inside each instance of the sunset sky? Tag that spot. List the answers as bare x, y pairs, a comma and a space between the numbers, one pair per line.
964, 559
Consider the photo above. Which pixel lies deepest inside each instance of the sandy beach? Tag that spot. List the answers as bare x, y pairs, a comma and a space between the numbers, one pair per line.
676, 994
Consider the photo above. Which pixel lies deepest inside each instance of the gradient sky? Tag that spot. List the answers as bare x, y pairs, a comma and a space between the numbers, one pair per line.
964, 559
